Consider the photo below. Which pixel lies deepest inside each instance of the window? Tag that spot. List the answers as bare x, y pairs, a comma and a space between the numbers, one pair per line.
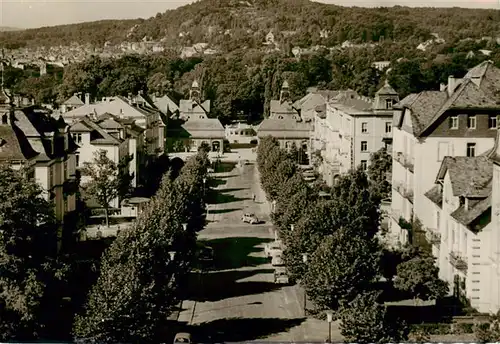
77, 155
364, 146
364, 127
388, 127
363, 165
388, 103
471, 122
454, 122
77, 137
471, 149
493, 122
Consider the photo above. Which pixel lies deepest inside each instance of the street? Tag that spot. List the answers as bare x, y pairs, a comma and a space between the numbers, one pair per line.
237, 300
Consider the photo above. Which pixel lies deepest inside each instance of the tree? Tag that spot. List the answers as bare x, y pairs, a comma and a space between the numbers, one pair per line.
380, 166
124, 177
420, 277
31, 274
204, 147
159, 83
343, 266
103, 184
364, 320
489, 332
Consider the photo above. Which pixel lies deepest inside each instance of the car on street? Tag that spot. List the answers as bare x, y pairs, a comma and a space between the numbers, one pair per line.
205, 255
277, 260
281, 276
250, 218
183, 337
273, 248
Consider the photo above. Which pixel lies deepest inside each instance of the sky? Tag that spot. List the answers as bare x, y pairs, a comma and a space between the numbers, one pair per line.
37, 13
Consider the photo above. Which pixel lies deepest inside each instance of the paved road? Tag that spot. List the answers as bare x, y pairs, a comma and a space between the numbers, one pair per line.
237, 301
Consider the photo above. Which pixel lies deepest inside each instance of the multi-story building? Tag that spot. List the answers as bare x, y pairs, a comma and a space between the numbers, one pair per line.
42, 145
240, 133
194, 107
91, 138
352, 128
133, 108
458, 120
285, 124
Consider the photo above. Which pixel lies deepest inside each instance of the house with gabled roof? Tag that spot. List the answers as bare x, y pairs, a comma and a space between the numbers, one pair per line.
465, 238
73, 102
194, 107
135, 108
41, 145
92, 138
459, 120
285, 123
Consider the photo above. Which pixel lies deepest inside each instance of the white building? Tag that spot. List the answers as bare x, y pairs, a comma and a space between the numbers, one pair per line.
43, 146
240, 133
352, 129
91, 138
459, 120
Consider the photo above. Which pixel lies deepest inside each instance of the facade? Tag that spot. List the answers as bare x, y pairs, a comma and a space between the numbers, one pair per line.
134, 108
285, 124
351, 129
458, 120
91, 138
240, 133
199, 130
42, 145
193, 107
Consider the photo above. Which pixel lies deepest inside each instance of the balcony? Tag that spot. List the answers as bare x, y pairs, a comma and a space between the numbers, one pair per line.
458, 261
403, 191
405, 161
433, 236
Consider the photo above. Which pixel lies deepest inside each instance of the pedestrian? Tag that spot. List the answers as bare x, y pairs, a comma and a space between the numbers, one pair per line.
253, 197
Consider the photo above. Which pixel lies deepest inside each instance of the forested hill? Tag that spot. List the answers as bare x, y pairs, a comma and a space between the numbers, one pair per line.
228, 23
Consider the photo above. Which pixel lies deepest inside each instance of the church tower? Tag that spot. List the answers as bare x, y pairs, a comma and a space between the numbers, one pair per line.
195, 92
285, 92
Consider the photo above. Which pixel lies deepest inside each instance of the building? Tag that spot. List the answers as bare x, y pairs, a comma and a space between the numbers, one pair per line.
74, 102
42, 145
200, 130
353, 128
91, 138
240, 133
460, 119
194, 107
134, 108
285, 124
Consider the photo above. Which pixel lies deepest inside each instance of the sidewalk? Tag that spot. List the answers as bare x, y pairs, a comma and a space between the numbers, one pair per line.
260, 196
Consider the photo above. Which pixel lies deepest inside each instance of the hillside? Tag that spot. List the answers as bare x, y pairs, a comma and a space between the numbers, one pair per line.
7, 28
231, 24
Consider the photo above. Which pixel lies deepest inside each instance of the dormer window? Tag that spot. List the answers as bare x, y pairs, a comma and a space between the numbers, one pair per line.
388, 103
471, 122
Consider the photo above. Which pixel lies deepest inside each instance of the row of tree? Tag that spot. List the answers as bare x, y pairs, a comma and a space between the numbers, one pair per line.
140, 275
332, 246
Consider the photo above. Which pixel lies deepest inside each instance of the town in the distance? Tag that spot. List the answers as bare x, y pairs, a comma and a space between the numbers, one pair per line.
294, 188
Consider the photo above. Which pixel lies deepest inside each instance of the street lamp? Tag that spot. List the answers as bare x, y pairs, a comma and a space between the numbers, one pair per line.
304, 260
329, 318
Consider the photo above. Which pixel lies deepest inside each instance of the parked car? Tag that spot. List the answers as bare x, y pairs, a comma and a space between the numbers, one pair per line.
277, 260
250, 218
206, 255
183, 337
281, 276
273, 248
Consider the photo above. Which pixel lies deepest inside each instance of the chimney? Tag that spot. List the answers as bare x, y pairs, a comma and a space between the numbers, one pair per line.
451, 85
442, 87
87, 98
466, 203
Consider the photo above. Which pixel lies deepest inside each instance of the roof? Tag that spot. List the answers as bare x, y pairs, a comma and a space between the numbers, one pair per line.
286, 128
278, 107
204, 128
188, 106
479, 89
470, 176
74, 101
14, 146
386, 90
476, 207
102, 138
423, 107
165, 104
435, 195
